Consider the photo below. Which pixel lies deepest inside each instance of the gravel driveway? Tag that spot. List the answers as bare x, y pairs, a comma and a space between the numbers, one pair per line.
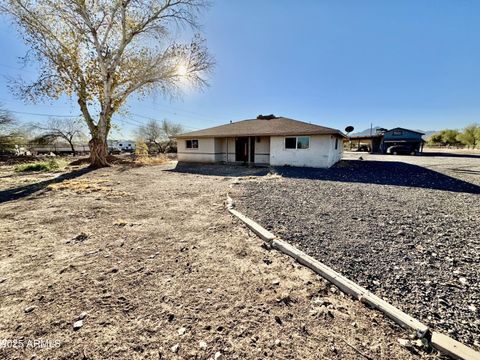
407, 228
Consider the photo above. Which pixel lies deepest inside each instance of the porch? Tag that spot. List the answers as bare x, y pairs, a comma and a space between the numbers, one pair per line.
244, 149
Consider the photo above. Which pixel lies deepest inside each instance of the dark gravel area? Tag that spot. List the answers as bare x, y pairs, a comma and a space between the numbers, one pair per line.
407, 232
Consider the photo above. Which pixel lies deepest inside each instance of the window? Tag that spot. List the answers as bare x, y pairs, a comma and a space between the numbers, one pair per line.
336, 143
290, 143
397, 133
303, 142
192, 144
299, 142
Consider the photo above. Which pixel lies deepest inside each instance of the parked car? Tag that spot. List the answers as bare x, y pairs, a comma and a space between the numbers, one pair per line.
363, 148
114, 151
401, 149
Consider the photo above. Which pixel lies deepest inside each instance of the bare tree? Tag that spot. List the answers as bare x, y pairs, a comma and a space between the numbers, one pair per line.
159, 136
6, 118
10, 134
103, 51
151, 133
68, 129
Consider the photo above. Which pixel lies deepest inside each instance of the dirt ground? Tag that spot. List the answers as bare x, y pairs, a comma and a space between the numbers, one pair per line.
152, 259
405, 227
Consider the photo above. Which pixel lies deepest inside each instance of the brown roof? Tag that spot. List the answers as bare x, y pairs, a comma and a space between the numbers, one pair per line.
263, 127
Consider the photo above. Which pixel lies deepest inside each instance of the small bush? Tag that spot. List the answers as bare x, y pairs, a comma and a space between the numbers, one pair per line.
141, 149
50, 165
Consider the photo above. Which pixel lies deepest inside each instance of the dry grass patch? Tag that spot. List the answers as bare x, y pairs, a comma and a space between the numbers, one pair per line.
151, 160
86, 186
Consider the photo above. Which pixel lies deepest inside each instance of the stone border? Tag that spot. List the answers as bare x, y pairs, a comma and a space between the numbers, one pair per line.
439, 341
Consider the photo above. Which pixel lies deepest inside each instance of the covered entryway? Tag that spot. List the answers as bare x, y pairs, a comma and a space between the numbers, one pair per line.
245, 149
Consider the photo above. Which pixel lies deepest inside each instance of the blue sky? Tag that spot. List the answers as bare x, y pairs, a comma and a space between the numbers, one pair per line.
413, 64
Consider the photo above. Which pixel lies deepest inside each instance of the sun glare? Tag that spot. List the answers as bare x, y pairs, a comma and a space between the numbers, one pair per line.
182, 70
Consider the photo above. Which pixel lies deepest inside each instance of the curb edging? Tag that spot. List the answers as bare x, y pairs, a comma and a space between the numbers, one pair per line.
442, 343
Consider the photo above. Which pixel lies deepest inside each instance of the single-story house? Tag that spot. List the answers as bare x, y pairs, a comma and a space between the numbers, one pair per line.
266, 140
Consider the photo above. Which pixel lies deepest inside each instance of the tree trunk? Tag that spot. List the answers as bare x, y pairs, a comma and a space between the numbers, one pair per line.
74, 153
98, 151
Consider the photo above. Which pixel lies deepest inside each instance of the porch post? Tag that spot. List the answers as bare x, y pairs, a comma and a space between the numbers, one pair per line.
248, 149
227, 150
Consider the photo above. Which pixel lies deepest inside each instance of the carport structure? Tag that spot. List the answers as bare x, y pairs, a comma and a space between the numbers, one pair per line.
373, 142
401, 136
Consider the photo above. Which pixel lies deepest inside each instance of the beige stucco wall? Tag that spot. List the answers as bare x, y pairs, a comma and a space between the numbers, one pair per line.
204, 153
321, 152
335, 154
262, 150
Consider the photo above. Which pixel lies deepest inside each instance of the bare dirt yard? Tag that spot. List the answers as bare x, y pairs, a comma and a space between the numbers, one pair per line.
405, 227
155, 268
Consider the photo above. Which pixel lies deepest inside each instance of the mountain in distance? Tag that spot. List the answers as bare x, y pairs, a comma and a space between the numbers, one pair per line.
373, 131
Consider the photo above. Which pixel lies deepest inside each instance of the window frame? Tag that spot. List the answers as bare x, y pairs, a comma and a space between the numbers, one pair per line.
191, 143
296, 142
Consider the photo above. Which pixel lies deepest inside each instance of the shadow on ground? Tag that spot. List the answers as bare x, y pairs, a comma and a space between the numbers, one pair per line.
30, 189
393, 173
220, 169
446, 154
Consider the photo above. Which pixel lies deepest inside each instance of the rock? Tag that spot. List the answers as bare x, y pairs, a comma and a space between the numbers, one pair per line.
114, 270
278, 342
209, 291
80, 237
401, 233
267, 261
182, 331
203, 345
404, 342
463, 280
175, 348
29, 309
77, 325
276, 282
218, 356
2, 281
82, 315
472, 308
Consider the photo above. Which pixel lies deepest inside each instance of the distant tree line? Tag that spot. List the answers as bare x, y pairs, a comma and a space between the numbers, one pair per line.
15, 134
156, 136
469, 136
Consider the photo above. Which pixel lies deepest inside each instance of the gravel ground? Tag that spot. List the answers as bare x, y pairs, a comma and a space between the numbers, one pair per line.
407, 228
158, 269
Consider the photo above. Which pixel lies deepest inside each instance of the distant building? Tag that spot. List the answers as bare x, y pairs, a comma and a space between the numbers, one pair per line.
401, 136
383, 139
59, 148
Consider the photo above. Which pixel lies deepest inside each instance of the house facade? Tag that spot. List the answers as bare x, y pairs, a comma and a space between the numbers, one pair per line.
266, 140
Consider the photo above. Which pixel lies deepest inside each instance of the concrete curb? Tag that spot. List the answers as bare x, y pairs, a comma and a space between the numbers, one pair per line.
439, 341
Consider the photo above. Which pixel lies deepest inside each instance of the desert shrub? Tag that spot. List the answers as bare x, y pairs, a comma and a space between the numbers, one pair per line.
51, 165
141, 149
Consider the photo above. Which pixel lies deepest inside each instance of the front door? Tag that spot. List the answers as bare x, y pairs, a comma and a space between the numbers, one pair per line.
241, 149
